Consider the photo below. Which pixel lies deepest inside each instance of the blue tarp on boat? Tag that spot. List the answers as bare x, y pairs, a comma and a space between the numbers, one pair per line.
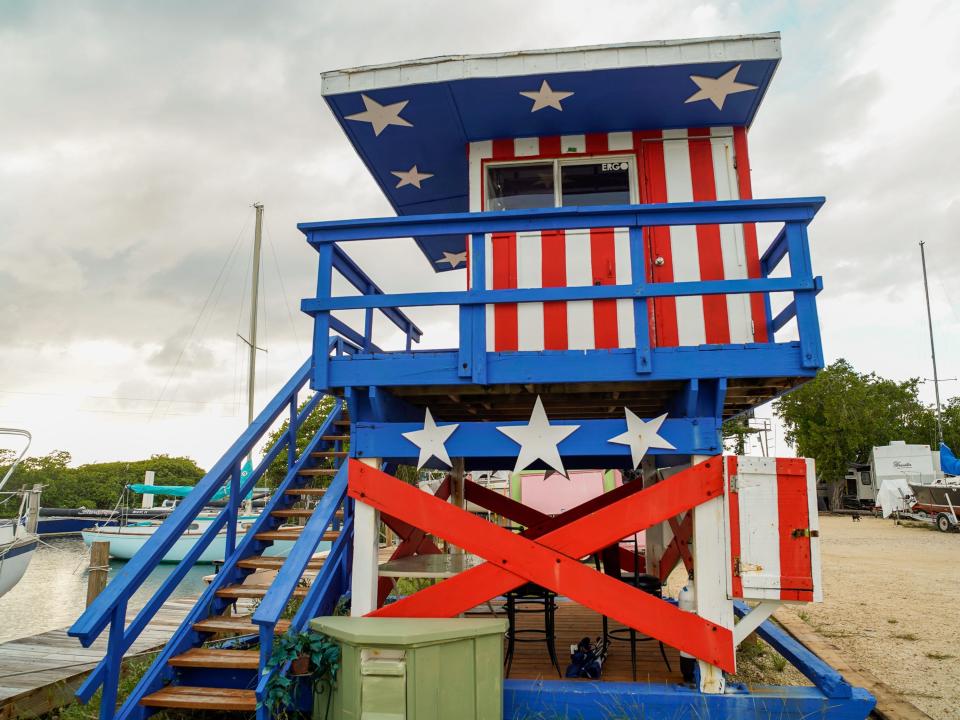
948, 461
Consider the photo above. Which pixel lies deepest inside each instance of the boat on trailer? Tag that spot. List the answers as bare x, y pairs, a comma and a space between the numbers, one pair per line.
18, 540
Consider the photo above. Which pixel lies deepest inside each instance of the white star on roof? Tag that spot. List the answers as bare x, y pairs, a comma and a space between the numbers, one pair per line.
538, 439
546, 97
410, 177
380, 116
452, 259
717, 89
431, 440
641, 436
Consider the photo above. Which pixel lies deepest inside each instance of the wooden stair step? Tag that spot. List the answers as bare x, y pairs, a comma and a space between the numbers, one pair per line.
336, 438
202, 698
319, 472
235, 592
311, 491
298, 513
217, 658
330, 453
342, 423
234, 625
288, 532
262, 562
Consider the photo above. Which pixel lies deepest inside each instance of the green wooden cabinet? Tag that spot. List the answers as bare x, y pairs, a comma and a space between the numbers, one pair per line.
415, 669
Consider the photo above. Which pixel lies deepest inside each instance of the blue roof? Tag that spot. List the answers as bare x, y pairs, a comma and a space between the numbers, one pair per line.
442, 104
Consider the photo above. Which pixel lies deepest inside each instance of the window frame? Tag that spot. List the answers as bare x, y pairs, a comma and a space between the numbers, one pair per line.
557, 163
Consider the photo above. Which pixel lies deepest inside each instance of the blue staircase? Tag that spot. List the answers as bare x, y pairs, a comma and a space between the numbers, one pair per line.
217, 658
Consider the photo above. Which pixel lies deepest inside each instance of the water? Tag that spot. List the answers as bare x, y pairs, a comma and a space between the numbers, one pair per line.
53, 592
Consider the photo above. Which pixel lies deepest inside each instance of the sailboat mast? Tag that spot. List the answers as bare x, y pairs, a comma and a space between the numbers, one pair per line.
254, 292
933, 349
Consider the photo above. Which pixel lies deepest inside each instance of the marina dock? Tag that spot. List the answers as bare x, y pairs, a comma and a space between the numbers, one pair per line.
39, 673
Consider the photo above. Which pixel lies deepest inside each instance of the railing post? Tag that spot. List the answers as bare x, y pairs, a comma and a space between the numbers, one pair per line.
478, 322
368, 321
292, 430
808, 324
641, 313
114, 658
321, 321
233, 507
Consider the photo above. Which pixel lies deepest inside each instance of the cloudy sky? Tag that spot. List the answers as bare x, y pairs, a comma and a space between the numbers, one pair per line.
134, 138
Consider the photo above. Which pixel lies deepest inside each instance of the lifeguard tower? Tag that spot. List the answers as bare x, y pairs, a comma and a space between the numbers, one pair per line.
615, 309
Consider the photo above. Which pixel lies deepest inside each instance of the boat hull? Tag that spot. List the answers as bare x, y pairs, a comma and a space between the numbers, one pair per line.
15, 556
936, 498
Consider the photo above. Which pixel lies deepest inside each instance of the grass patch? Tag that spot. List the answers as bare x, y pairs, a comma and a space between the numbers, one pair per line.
906, 636
133, 670
803, 615
939, 656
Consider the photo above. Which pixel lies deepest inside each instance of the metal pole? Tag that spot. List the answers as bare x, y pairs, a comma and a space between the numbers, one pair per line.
933, 349
254, 290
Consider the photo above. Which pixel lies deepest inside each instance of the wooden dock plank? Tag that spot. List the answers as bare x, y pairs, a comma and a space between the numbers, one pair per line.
39, 673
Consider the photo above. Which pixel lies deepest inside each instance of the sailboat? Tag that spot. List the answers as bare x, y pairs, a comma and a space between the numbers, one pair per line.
18, 539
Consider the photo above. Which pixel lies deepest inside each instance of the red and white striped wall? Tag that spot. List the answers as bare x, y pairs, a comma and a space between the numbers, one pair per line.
669, 166
773, 529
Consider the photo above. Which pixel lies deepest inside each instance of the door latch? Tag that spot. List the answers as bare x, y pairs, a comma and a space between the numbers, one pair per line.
806, 532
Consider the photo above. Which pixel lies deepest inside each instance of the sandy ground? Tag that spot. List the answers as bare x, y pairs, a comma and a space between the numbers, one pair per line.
892, 606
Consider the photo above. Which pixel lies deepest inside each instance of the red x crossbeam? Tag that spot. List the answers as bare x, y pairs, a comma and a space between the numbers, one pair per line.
552, 559
678, 548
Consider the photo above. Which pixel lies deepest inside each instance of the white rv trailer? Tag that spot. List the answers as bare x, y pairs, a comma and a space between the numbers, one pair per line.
916, 464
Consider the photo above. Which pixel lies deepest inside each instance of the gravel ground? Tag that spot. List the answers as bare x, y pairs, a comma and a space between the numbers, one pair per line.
892, 606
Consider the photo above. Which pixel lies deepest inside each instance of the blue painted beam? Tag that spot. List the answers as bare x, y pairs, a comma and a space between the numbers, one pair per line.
691, 213
660, 701
774, 254
828, 681
312, 306
482, 440
441, 367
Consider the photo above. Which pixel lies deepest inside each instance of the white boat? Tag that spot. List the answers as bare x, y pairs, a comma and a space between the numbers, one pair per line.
18, 542
125, 541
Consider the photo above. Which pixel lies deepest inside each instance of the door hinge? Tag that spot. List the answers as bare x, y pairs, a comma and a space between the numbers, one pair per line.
806, 532
737, 570
734, 483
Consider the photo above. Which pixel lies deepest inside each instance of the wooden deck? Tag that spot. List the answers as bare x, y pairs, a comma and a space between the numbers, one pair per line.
573, 622
41, 672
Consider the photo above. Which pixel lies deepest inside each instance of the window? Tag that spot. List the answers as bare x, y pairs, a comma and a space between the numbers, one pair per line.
519, 187
557, 183
595, 183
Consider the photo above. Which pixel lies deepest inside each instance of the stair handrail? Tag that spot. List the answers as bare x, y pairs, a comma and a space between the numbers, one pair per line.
98, 615
209, 595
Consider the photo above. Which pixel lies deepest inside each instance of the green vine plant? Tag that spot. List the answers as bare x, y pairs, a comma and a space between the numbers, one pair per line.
323, 656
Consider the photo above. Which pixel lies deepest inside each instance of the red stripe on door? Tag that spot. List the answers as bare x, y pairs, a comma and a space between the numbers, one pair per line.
796, 580
505, 277
732, 465
604, 268
758, 311
708, 238
553, 251
653, 189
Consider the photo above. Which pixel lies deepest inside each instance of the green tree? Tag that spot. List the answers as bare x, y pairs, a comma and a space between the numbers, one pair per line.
308, 428
840, 415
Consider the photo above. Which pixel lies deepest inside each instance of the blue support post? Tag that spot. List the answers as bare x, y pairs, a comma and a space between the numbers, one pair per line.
370, 289
292, 429
478, 260
114, 659
321, 322
808, 325
233, 510
641, 316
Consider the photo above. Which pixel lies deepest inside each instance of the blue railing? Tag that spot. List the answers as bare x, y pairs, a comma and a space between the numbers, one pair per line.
472, 361
110, 607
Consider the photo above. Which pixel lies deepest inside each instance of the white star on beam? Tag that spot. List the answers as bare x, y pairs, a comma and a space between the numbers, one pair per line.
641, 436
538, 439
452, 259
431, 441
411, 177
380, 116
546, 97
717, 89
